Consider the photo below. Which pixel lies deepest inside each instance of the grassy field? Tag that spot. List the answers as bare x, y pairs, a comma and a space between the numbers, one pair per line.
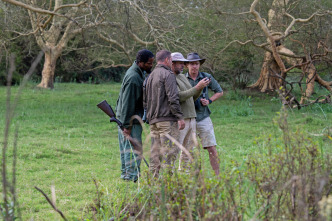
66, 141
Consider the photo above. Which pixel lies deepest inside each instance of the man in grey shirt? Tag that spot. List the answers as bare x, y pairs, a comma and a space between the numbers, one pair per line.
187, 95
204, 124
161, 100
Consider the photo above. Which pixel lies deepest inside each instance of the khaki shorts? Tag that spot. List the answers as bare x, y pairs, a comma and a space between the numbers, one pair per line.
186, 135
187, 138
205, 132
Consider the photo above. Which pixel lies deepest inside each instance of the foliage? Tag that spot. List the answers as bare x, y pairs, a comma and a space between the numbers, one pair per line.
239, 66
23, 58
66, 141
285, 179
12, 209
203, 26
290, 179
13, 18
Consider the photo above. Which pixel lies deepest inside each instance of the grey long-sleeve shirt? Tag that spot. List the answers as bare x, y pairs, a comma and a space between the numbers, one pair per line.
161, 96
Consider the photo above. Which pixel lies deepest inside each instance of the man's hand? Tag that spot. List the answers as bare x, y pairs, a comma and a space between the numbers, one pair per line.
181, 124
126, 132
205, 102
202, 83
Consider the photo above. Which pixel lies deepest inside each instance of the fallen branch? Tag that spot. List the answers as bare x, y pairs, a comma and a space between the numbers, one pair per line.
51, 203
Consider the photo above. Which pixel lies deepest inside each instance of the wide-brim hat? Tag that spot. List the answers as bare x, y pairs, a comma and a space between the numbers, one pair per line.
177, 56
194, 57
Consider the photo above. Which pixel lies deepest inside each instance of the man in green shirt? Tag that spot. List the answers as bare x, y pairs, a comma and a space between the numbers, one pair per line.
130, 103
187, 95
204, 124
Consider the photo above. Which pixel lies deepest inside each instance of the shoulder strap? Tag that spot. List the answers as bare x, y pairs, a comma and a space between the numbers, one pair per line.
204, 90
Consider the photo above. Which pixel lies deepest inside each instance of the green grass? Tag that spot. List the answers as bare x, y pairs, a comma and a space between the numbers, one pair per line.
66, 141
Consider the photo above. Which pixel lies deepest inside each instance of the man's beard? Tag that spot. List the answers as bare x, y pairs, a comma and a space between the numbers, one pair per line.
179, 71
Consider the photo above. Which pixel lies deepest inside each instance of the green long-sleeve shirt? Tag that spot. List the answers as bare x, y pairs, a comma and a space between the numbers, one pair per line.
188, 95
130, 101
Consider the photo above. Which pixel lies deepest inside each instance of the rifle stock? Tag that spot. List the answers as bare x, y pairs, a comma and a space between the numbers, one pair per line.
104, 106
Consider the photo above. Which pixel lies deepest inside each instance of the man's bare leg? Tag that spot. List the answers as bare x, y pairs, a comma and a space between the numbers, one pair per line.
214, 159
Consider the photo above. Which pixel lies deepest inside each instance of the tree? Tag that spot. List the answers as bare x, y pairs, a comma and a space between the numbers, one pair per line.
289, 43
104, 34
207, 27
55, 26
24, 48
274, 71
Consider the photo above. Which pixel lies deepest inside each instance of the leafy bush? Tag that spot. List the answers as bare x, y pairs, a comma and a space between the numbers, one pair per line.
239, 67
290, 176
15, 80
286, 180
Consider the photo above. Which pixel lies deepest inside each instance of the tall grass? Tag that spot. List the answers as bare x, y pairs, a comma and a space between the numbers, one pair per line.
286, 180
64, 140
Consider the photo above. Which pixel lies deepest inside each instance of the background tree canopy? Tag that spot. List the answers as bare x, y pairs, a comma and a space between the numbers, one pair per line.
96, 41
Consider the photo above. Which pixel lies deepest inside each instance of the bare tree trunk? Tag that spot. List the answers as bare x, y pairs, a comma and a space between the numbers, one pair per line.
267, 81
310, 81
313, 77
47, 80
273, 63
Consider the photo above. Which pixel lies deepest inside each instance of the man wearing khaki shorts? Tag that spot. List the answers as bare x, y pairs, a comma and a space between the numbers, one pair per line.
187, 95
204, 124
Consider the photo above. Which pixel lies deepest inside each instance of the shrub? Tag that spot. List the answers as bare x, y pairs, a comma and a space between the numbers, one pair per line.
286, 180
290, 176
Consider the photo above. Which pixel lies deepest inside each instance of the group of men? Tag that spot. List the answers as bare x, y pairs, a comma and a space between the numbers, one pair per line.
176, 107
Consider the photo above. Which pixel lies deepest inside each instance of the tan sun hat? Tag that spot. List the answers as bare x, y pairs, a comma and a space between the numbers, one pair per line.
177, 56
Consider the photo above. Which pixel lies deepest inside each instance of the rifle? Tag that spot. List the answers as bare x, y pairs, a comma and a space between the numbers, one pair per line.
104, 106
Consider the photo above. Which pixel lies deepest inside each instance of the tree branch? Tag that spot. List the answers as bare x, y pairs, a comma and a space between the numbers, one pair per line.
51, 203
31, 8
269, 37
295, 20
